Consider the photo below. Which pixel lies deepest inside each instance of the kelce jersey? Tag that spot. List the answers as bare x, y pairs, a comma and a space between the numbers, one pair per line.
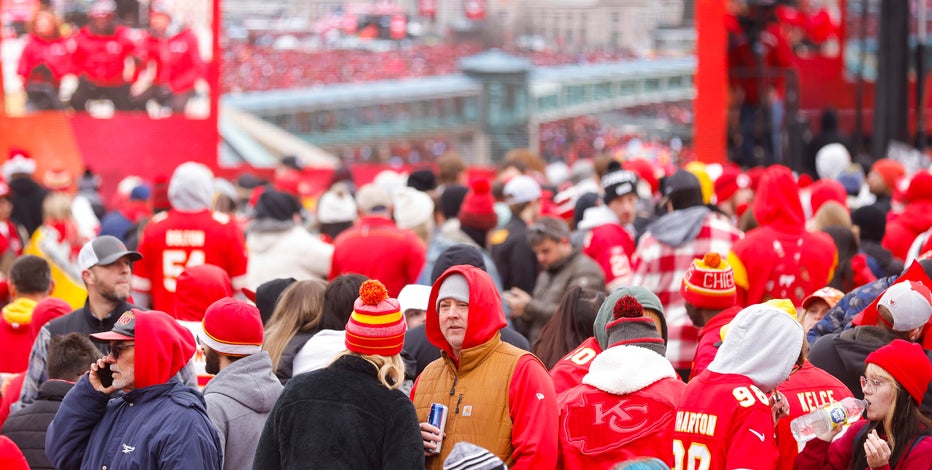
174, 240
569, 371
723, 422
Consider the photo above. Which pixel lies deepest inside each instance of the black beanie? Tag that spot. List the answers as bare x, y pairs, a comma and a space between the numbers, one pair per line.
276, 205
422, 180
267, 296
456, 255
584, 202
452, 199
872, 222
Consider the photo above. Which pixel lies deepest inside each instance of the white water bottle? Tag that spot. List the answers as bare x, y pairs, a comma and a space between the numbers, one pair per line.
827, 418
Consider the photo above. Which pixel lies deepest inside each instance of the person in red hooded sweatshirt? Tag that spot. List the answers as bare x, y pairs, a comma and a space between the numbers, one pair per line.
626, 404
780, 259
142, 416
100, 57
178, 64
498, 397
915, 219
46, 58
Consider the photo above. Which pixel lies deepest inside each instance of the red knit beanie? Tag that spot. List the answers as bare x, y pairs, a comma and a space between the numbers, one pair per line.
709, 283
232, 327
478, 209
890, 170
827, 190
907, 363
376, 326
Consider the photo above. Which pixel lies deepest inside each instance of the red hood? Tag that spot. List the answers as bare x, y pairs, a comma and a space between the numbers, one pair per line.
777, 203
163, 347
198, 287
485, 309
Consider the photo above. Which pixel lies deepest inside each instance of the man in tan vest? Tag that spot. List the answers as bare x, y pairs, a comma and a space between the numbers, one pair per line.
498, 397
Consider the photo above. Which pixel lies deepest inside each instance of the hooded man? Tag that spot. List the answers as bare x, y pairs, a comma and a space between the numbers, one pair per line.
631, 382
189, 234
725, 418
143, 417
241, 395
569, 371
666, 252
780, 259
499, 397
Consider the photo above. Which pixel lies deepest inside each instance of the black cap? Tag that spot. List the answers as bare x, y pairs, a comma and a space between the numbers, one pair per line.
456, 255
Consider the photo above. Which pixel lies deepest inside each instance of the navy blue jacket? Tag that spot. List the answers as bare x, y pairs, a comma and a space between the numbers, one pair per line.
158, 427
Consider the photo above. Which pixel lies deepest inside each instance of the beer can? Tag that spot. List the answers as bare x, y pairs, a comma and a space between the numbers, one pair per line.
438, 418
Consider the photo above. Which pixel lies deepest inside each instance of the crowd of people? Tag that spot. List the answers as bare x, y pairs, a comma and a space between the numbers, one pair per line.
247, 66
615, 314
126, 66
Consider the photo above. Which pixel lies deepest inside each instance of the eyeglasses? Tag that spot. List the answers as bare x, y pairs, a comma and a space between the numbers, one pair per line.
870, 385
117, 349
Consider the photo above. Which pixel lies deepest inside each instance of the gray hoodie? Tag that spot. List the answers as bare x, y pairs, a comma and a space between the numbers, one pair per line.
680, 226
762, 344
239, 400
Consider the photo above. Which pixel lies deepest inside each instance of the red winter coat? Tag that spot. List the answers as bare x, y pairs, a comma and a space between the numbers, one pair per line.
900, 233
178, 63
807, 389
624, 409
780, 259
101, 58
376, 248
54, 54
569, 371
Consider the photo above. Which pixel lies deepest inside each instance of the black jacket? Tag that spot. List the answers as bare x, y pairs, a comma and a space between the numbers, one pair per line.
27, 203
27, 427
418, 351
842, 354
515, 261
341, 417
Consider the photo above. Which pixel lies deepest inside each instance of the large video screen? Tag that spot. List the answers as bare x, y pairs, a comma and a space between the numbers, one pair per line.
105, 57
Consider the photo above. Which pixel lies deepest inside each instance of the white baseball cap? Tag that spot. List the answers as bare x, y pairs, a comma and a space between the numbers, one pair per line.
521, 189
910, 304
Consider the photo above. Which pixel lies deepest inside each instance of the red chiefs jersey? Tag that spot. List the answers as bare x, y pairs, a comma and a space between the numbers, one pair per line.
101, 58
808, 389
178, 63
723, 421
611, 246
175, 240
569, 371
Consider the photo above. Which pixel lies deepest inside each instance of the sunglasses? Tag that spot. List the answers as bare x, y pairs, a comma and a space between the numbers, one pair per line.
117, 349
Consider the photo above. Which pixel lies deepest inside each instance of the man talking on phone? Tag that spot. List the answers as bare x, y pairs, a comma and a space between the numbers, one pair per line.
130, 411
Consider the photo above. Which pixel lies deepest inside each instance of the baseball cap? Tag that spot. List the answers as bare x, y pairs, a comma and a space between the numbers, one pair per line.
521, 189
909, 303
104, 250
414, 296
373, 197
830, 295
124, 329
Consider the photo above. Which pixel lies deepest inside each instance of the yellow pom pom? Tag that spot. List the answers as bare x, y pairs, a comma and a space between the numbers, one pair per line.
372, 292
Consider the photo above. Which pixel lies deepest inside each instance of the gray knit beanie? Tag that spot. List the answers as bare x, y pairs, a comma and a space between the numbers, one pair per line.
454, 287
631, 328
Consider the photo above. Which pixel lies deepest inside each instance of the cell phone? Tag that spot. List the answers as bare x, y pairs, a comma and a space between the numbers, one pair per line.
105, 375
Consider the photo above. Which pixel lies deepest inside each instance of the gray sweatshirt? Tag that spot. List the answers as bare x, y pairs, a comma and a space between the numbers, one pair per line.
239, 400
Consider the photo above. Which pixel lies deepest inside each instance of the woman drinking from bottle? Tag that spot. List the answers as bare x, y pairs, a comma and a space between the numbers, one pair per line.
895, 434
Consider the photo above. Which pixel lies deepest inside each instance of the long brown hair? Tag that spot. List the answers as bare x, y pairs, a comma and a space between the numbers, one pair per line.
569, 326
903, 423
298, 310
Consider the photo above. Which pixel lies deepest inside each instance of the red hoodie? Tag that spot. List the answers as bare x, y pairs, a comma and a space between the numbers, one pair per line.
197, 287
532, 405
780, 259
163, 347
